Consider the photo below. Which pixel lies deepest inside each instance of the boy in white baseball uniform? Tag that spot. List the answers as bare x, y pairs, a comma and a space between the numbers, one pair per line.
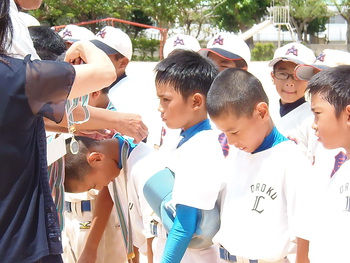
327, 211
258, 205
294, 118
94, 167
227, 50
80, 206
323, 159
173, 44
182, 82
125, 93
80, 211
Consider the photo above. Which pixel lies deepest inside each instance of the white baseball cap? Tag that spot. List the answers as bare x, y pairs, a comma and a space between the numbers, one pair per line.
228, 46
180, 41
113, 40
73, 33
295, 52
328, 58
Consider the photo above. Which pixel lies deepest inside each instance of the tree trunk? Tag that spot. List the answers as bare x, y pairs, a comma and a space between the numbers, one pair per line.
300, 32
348, 35
305, 34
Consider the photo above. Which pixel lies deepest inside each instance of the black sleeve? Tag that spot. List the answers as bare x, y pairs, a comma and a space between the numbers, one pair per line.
48, 84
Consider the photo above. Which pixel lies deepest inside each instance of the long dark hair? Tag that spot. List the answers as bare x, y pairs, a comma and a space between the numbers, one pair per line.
6, 29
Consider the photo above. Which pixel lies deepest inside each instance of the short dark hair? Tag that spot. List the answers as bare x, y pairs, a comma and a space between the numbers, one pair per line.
333, 84
105, 90
187, 71
6, 28
76, 165
235, 91
47, 43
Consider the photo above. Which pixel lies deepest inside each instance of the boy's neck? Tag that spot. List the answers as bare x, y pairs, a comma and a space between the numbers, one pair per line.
195, 120
193, 130
273, 138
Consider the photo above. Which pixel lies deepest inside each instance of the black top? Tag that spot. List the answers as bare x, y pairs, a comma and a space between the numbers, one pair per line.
29, 90
288, 107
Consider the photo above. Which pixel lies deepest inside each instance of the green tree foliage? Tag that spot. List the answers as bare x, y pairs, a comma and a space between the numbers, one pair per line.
145, 47
306, 13
168, 13
240, 15
197, 13
163, 12
139, 16
61, 12
263, 52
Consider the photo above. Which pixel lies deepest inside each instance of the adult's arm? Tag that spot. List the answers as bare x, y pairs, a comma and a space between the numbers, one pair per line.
96, 73
125, 123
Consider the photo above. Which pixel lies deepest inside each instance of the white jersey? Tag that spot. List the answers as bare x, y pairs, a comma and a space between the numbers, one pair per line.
127, 97
329, 215
197, 165
142, 163
259, 202
296, 125
198, 182
22, 44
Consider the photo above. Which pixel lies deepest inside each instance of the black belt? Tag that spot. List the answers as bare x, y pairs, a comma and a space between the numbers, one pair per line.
84, 204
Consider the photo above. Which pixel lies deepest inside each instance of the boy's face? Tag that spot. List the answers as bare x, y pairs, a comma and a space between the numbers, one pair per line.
175, 111
290, 90
328, 128
221, 62
241, 132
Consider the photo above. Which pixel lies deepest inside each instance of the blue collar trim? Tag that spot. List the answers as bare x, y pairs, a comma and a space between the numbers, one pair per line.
123, 140
274, 138
190, 132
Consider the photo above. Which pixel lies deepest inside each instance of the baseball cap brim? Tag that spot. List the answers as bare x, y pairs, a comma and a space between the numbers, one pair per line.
306, 72
71, 40
104, 47
275, 60
220, 52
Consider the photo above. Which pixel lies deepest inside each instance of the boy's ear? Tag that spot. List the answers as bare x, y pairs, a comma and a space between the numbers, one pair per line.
347, 111
124, 62
95, 94
272, 77
94, 158
198, 100
263, 110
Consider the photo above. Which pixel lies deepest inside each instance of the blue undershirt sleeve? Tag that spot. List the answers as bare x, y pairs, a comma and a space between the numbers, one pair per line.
181, 233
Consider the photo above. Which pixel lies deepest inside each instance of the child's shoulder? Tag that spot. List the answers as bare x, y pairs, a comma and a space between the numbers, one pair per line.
204, 139
287, 148
301, 112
